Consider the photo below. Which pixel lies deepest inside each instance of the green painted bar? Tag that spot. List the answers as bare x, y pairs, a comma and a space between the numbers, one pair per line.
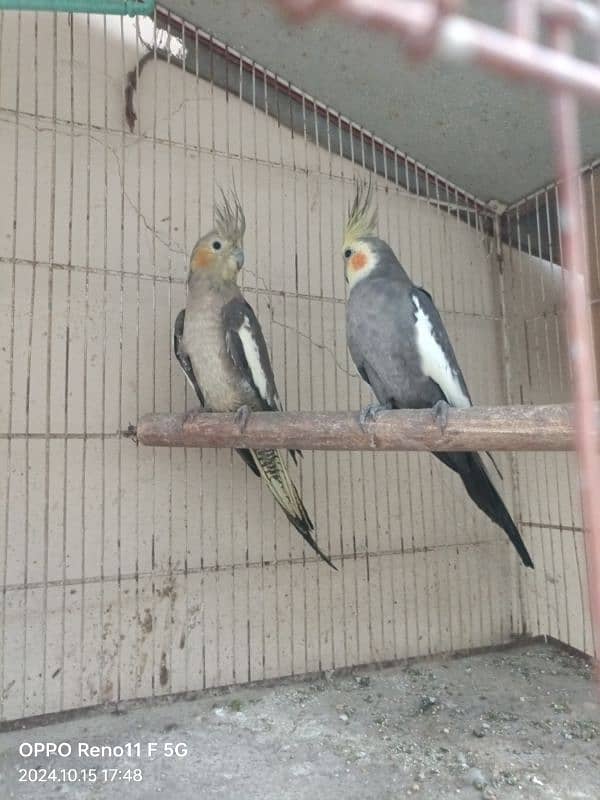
131, 7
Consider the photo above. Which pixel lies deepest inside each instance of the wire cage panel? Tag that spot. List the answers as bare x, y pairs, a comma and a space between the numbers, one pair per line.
555, 598
131, 572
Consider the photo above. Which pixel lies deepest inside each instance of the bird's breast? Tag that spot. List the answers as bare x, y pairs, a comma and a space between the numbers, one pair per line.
204, 341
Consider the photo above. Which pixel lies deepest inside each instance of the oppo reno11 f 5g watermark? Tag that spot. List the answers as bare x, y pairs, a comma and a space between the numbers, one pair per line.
100, 772
87, 750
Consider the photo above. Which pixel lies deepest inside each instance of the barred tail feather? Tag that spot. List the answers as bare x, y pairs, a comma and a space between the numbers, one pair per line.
274, 471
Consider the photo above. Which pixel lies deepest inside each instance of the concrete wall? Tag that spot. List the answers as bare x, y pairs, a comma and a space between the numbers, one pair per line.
131, 572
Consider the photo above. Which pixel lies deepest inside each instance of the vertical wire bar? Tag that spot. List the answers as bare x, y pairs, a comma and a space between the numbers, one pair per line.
501, 252
421, 464
342, 461
438, 552
227, 455
307, 267
309, 309
522, 295
186, 245
331, 128
348, 460
580, 569
568, 156
284, 301
201, 459
473, 220
270, 277
367, 562
450, 308
397, 457
235, 568
533, 347
557, 458
388, 460
249, 569
538, 319
103, 610
407, 458
153, 370
441, 553
82, 630
119, 690
67, 416
51, 259
11, 369
293, 568
138, 457
351, 466
463, 509
363, 499
32, 297
378, 557
169, 76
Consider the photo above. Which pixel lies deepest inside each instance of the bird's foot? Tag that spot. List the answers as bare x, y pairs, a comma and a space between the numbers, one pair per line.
130, 433
369, 413
440, 414
241, 417
193, 412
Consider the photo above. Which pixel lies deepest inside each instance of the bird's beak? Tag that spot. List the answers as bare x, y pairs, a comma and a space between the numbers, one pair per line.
238, 254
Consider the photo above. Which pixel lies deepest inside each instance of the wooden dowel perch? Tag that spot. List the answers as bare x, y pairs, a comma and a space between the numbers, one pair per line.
494, 428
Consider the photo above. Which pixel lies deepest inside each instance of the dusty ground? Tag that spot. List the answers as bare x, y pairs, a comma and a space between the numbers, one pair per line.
516, 724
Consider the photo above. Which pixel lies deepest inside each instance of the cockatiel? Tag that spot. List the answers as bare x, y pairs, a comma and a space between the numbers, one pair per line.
222, 351
400, 347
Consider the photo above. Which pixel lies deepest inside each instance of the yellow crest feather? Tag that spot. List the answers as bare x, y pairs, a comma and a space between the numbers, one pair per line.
230, 222
362, 218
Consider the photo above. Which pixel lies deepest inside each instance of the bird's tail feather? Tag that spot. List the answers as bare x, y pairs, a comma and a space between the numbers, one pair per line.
274, 471
482, 491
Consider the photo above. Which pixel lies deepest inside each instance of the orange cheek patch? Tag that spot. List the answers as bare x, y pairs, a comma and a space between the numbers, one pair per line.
202, 259
358, 261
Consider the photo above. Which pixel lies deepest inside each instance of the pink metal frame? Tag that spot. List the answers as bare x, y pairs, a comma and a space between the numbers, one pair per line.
429, 26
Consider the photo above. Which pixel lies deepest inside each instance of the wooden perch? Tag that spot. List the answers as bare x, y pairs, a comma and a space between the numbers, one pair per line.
494, 428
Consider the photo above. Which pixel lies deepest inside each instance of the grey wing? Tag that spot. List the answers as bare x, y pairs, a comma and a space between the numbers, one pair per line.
248, 350
186, 365
183, 358
450, 378
438, 360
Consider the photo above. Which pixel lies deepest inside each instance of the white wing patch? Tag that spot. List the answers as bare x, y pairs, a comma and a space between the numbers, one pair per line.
252, 354
434, 362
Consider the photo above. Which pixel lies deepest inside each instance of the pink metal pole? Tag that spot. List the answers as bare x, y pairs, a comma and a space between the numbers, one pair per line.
463, 38
568, 159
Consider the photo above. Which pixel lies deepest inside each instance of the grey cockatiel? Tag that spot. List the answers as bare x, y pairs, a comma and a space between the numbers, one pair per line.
401, 349
220, 347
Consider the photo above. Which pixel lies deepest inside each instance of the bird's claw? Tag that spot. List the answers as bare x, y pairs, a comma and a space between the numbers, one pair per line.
130, 433
369, 413
189, 415
241, 417
440, 414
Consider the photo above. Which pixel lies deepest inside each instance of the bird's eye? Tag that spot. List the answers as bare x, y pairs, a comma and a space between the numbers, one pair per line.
347, 252
217, 245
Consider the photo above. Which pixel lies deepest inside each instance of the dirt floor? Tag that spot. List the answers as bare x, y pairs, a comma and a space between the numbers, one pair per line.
521, 723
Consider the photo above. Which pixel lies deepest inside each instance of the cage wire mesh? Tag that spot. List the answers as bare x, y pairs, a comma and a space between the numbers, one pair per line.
130, 572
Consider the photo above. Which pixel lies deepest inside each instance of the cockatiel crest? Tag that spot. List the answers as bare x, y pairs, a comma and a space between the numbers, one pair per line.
219, 253
362, 218
230, 222
359, 256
